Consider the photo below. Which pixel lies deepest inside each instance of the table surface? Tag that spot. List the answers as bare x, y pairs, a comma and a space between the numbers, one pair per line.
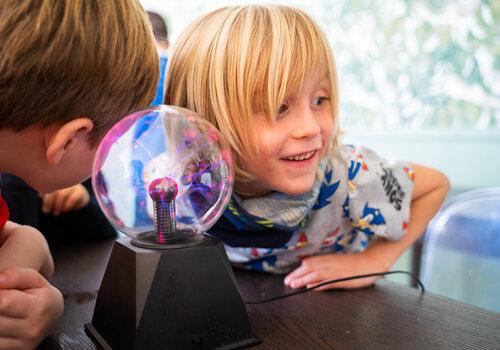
386, 316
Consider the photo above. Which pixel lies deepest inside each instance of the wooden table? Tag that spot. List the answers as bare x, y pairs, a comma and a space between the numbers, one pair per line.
387, 316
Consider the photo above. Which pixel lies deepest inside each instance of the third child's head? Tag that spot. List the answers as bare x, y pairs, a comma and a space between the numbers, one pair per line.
266, 78
69, 70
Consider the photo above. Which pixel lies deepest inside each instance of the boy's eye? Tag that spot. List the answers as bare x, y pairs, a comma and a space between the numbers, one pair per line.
283, 108
320, 101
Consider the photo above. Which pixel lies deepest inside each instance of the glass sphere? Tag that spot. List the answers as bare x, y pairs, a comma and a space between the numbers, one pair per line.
160, 154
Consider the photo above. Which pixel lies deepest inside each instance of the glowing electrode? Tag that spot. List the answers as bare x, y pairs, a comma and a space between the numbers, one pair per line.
163, 192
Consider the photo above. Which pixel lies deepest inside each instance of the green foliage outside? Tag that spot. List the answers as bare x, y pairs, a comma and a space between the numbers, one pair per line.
416, 64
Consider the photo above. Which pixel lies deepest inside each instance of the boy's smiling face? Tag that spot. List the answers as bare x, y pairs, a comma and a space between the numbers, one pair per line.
292, 146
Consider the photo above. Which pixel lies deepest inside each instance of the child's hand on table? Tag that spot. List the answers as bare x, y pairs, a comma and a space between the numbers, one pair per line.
29, 308
62, 201
321, 268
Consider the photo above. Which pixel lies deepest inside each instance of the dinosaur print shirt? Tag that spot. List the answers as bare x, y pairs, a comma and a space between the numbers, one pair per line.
359, 196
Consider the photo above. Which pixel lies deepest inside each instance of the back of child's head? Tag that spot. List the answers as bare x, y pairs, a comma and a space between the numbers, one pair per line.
238, 60
160, 30
60, 60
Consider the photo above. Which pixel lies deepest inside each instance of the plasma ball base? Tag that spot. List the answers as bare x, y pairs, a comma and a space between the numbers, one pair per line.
180, 239
175, 299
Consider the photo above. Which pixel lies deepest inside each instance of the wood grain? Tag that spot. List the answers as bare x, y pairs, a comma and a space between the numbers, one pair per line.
386, 316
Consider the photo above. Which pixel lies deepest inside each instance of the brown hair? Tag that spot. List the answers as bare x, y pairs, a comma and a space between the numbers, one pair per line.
159, 25
81, 58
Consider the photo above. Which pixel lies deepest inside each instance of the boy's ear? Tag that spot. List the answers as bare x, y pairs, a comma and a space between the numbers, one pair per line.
65, 137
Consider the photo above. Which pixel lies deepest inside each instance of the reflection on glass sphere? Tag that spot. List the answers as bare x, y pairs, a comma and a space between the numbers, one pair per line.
158, 155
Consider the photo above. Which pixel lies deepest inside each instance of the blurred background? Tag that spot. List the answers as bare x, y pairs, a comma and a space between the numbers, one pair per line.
420, 81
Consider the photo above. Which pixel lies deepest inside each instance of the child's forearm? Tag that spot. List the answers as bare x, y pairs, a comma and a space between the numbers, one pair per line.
425, 204
24, 246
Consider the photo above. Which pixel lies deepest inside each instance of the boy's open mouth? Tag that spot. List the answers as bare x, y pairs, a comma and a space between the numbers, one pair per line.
301, 156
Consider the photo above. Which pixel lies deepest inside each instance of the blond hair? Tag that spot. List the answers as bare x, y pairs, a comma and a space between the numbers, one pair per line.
65, 59
238, 60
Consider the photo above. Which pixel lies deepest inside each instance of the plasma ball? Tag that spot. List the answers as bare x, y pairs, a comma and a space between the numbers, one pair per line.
177, 170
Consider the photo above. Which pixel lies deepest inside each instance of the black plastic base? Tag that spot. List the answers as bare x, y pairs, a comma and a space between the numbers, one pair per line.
180, 239
175, 299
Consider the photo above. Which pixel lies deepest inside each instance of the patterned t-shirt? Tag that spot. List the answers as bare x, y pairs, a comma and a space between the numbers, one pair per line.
360, 196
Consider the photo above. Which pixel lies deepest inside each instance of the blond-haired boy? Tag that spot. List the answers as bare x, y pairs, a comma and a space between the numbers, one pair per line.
68, 71
303, 203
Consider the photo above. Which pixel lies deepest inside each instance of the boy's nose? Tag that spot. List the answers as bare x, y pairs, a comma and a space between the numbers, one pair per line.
307, 125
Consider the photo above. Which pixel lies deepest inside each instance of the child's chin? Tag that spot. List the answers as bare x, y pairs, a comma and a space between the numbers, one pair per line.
297, 191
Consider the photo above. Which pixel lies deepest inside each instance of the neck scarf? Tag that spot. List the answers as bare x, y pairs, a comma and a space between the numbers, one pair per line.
268, 221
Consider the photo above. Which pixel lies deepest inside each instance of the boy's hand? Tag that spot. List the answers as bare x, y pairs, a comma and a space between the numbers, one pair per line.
62, 201
321, 268
29, 308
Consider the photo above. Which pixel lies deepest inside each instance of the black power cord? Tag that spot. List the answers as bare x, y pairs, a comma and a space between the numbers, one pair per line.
421, 285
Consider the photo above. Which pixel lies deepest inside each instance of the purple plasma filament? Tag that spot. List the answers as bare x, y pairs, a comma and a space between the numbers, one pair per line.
163, 192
